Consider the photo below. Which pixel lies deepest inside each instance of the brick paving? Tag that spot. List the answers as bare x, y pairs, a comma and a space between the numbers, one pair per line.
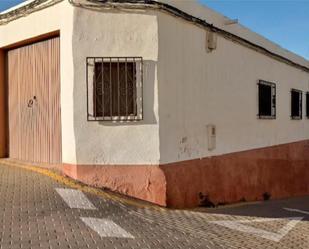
34, 215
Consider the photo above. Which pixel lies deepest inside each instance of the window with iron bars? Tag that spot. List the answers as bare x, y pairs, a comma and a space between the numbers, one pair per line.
114, 88
267, 100
296, 104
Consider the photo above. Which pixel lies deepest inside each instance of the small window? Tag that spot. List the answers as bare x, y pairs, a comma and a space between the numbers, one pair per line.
114, 88
307, 104
267, 100
296, 104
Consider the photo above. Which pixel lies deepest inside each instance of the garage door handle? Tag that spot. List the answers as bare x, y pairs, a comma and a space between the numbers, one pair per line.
31, 101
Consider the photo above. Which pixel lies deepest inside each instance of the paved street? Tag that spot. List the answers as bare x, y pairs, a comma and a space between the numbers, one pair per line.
38, 212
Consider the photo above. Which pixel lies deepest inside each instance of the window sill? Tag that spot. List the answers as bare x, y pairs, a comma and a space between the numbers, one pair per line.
266, 117
296, 118
116, 119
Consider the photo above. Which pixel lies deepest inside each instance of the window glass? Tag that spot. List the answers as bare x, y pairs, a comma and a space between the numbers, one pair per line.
267, 99
114, 88
296, 104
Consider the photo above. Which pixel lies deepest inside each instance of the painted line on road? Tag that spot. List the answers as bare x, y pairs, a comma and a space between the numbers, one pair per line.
296, 210
75, 198
273, 236
259, 220
106, 228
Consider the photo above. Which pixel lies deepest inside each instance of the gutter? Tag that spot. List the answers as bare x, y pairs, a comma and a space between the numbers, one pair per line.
149, 4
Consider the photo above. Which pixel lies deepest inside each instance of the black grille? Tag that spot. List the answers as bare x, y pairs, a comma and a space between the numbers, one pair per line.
114, 88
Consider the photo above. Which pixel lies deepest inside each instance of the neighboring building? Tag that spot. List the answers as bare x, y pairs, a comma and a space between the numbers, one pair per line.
148, 99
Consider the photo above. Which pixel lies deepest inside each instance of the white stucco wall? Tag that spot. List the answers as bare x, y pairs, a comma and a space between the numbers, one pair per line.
197, 88
184, 86
195, 8
90, 33
57, 17
104, 34
35, 24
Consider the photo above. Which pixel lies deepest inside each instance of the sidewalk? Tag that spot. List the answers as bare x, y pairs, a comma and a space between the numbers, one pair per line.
38, 212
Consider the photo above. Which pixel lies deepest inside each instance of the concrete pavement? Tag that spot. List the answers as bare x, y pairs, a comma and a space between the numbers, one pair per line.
38, 212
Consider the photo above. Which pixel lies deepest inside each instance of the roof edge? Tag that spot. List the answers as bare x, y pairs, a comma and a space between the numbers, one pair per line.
26, 2
35, 5
24, 9
203, 23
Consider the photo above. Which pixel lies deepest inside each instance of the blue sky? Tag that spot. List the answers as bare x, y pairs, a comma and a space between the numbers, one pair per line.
285, 22
5, 4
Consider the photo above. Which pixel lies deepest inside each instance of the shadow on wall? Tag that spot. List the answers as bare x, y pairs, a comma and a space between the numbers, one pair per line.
149, 117
98, 137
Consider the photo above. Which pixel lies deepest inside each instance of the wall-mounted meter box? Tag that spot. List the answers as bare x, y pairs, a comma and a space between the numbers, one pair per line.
211, 41
211, 136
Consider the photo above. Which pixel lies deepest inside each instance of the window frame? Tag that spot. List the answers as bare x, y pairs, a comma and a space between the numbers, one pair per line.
273, 100
307, 105
300, 116
138, 65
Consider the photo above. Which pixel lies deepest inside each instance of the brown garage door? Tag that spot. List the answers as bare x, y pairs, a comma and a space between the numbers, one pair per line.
34, 102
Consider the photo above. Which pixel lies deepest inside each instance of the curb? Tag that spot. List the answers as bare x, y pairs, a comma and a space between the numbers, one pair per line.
82, 187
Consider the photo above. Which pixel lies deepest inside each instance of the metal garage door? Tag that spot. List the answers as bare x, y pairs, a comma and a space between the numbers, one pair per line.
34, 102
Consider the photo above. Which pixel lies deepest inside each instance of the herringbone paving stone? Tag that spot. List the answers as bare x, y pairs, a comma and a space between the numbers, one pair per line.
201, 225
34, 215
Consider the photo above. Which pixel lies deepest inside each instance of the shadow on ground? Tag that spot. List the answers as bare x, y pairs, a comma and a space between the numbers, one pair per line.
291, 207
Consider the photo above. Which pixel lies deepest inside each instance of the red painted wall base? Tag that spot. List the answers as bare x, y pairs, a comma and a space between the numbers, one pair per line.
144, 182
280, 171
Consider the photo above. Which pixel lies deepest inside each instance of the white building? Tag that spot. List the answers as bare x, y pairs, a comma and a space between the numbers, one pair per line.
166, 101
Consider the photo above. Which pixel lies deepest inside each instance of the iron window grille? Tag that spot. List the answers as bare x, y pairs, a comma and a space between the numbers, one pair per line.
115, 88
296, 104
307, 104
267, 100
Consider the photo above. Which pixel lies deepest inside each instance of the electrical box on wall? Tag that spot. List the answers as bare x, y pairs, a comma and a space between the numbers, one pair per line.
211, 41
211, 136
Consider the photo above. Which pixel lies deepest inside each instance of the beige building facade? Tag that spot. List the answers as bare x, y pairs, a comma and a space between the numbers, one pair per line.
192, 133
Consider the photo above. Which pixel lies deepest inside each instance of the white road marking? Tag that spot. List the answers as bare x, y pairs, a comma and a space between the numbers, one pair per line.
296, 210
75, 198
106, 228
274, 236
259, 220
